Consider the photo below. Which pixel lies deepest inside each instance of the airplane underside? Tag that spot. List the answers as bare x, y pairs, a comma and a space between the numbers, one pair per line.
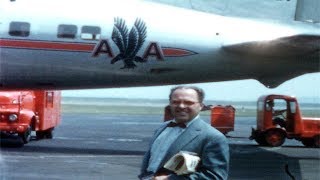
60, 72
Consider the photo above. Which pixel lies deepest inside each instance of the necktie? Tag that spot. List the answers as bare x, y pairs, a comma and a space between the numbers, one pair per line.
173, 124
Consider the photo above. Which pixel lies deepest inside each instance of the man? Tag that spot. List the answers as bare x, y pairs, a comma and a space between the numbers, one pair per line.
197, 136
278, 115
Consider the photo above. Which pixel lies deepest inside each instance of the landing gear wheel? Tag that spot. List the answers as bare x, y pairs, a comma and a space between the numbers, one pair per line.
275, 137
26, 136
317, 141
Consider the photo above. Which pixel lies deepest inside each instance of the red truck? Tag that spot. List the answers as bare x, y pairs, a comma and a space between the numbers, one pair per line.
279, 117
22, 112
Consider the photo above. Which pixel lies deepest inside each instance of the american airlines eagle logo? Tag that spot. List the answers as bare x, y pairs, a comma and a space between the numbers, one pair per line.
129, 43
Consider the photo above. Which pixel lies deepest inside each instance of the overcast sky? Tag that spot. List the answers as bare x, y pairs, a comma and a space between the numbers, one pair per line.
303, 86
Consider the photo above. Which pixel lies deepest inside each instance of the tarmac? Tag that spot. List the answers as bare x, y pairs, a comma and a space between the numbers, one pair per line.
98, 146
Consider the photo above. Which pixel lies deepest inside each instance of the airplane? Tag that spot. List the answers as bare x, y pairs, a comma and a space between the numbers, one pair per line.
100, 44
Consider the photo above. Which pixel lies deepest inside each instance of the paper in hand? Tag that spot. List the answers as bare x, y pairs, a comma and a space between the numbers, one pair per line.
183, 163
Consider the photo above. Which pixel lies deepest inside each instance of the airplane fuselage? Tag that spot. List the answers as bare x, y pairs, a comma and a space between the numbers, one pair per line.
121, 44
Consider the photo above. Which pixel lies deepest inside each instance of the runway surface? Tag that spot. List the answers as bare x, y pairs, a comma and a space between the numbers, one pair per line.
97, 146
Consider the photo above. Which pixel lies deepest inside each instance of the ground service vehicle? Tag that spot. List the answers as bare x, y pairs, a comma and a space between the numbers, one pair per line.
279, 117
22, 112
221, 117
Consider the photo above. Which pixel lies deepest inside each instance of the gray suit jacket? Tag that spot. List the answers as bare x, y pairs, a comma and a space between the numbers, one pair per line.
201, 138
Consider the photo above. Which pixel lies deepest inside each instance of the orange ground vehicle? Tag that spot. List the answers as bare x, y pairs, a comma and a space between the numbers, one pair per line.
22, 112
279, 117
222, 117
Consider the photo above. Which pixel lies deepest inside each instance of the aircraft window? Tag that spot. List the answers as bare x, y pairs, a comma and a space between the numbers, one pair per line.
19, 29
90, 32
67, 31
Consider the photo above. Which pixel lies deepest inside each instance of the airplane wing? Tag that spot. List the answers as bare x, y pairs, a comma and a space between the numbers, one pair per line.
299, 51
282, 47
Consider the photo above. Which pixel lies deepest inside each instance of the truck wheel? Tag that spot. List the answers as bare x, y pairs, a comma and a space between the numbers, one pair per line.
275, 137
260, 139
26, 136
49, 133
40, 135
317, 141
307, 142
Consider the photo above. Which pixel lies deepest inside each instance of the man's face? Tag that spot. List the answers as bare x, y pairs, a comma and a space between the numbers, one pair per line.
185, 105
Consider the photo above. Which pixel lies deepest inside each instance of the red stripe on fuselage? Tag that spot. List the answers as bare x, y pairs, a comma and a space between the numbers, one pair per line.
71, 46
47, 45
175, 52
